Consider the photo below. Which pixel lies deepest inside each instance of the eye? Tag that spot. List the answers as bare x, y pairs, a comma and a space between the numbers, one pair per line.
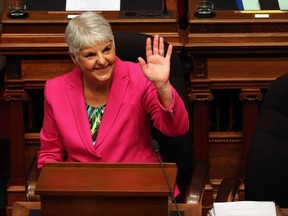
107, 49
89, 55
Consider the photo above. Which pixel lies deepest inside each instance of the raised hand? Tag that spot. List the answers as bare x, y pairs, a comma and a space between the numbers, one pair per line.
157, 68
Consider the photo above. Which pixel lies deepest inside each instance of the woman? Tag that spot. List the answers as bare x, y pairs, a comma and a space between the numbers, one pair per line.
103, 110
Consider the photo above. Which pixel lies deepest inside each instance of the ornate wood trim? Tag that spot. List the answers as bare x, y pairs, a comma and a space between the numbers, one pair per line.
250, 95
200, 68
13, 70
200, 96
32, 139
225, 137
15, 95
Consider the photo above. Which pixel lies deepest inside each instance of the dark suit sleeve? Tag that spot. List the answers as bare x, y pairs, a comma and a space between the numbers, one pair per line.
269, 5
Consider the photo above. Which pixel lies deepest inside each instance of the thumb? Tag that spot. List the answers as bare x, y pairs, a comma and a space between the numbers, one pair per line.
142, 62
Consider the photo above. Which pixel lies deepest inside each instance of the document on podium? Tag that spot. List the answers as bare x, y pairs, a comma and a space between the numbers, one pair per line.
92, 5
244, 208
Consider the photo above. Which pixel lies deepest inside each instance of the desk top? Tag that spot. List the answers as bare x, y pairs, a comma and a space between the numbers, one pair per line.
237, 22
105, 179
285, 211
44, 30
234, 29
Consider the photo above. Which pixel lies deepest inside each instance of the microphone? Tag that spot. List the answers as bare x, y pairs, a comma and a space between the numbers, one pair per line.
155, 146
165, 11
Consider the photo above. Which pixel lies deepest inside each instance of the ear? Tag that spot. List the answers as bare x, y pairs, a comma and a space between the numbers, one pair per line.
73, 58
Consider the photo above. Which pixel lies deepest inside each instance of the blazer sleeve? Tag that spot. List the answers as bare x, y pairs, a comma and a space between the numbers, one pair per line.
173, 121
52, 148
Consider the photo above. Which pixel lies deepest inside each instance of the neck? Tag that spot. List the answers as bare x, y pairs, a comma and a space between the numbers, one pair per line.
96, 95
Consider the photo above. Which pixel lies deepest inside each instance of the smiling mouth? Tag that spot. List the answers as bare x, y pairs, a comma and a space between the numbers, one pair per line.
102, 69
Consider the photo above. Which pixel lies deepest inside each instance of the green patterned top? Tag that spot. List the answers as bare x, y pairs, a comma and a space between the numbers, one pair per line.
94, 116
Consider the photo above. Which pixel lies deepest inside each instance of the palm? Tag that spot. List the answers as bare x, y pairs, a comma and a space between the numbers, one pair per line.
157, 68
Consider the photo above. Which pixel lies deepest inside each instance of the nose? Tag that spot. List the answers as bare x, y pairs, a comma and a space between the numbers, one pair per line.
100, 59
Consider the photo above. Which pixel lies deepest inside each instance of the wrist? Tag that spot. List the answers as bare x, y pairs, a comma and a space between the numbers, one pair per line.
164, 92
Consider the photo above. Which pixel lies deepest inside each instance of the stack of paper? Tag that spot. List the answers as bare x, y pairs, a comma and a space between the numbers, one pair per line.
240, 208
99, 5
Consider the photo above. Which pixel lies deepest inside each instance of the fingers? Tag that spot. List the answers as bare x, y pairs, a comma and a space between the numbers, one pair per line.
148, 48
169, 51
158, 47
161, 46
142, 62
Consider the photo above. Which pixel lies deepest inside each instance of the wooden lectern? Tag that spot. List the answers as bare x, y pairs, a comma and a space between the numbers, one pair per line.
107, 189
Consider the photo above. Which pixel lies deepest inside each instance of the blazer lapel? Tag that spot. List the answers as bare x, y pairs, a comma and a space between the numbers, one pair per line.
76, 97
115, 98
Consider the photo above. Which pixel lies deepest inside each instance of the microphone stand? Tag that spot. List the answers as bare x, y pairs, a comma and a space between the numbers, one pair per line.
165, 11
155, 147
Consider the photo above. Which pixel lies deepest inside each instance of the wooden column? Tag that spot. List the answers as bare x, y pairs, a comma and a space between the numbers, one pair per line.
250, 97
200, 124
200, 96
15, 95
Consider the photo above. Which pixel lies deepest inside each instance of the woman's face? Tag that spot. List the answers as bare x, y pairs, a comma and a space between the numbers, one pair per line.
98, 62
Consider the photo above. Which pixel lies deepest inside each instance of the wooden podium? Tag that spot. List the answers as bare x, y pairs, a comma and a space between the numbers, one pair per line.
108, 189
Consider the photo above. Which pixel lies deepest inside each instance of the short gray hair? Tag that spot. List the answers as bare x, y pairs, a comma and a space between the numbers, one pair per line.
86, 30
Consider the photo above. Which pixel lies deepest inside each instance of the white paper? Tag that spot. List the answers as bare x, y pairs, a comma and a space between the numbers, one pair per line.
251, 4
283, 4
254, 4
244, 208
265, 16
92, 5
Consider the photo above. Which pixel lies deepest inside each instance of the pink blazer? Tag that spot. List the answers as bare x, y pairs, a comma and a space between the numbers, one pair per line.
124, 134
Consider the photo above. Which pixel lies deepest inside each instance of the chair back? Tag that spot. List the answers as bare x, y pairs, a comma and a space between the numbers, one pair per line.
267, 162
